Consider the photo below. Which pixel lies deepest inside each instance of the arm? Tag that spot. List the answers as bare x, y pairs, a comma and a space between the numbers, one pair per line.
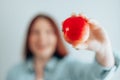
106, 61
102, 45
101, 72
99, 42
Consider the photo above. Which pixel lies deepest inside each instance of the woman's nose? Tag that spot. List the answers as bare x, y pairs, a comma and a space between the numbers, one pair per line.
42, 36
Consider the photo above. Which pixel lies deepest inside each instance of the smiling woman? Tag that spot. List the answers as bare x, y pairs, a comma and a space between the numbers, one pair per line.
45, 25
46, 57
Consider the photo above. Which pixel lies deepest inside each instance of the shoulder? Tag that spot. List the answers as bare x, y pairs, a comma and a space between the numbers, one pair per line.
16, 70
18, 67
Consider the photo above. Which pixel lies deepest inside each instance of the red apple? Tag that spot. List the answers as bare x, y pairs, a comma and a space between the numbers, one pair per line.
75, 30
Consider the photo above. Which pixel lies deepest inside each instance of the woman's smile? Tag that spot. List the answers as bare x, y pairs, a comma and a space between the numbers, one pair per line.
41, 46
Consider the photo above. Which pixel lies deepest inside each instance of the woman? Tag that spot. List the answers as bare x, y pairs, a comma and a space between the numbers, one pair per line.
46, 57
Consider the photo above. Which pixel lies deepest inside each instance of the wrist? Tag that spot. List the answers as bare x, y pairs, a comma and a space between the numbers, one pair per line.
105, 56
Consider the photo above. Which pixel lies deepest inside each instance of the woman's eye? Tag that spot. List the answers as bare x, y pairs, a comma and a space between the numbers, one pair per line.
35, 32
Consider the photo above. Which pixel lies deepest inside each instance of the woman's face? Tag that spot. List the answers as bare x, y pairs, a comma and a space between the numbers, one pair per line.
42, 39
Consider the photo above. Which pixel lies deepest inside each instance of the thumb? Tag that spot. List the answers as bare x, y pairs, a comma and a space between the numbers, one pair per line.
94, 25
81, 46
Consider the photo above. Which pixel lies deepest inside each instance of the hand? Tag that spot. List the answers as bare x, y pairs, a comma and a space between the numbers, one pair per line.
99, 42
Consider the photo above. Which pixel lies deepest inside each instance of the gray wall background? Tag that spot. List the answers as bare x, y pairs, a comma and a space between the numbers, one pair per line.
15, 15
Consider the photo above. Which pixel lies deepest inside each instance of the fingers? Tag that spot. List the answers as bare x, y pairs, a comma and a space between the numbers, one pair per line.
81, 46
94, 25
73, 14
97, 30
80, 14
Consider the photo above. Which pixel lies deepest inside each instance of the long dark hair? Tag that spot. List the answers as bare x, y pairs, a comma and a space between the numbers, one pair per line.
61, 50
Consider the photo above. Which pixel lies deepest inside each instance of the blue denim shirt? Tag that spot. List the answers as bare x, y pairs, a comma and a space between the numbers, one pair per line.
68, 68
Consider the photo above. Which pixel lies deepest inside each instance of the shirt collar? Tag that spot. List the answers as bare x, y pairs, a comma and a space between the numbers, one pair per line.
49, 66
30, 65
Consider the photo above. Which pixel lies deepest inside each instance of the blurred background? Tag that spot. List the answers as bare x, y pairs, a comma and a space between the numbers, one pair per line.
16, 14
